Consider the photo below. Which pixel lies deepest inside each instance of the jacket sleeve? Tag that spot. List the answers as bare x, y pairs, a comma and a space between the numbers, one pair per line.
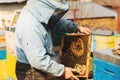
65, 26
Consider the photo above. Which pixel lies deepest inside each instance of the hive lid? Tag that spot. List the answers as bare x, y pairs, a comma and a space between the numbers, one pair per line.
107, 55
89, 10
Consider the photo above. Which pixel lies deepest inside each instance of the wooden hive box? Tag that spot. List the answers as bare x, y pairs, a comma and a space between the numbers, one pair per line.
109, 23
106, 65
75, 52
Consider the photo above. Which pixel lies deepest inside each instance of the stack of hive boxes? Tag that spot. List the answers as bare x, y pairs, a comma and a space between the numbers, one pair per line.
3, 63
11, 51
7, 54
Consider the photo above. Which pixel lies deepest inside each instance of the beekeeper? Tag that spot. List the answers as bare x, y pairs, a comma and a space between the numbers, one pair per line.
35, 55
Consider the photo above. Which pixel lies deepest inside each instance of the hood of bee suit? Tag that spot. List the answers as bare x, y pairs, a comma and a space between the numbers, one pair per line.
44, 9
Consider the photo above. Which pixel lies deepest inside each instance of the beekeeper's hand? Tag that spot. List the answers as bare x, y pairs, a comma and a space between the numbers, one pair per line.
84, 29
68, 73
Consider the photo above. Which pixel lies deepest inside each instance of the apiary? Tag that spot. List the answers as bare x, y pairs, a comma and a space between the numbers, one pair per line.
75, 52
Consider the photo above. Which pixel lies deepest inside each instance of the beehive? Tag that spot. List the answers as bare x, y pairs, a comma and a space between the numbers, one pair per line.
75, 52
106, 65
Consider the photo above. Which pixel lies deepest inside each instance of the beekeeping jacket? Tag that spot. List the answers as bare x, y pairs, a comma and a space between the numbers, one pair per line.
33, 40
